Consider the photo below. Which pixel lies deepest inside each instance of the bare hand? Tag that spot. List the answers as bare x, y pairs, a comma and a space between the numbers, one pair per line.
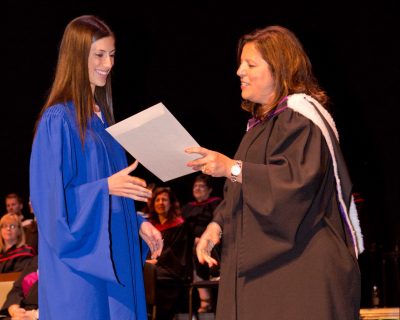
210, 237
18, 313
212, 163
124, 185
28, 315
151, 261
152, 237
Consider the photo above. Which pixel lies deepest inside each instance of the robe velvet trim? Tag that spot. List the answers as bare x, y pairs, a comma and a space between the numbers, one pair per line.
306, 105
169, 224
24, 251
202, 203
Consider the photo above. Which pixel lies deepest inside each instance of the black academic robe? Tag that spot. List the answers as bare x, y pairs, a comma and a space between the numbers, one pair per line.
197, 216
15, 259
174, 269
175, 261
31, 235
286, 253
28, 298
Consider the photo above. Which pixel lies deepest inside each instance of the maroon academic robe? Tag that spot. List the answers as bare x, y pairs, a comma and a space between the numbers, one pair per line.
286, 252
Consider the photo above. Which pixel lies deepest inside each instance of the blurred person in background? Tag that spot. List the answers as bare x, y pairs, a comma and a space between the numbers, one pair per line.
174, 265
14, 253
198, 214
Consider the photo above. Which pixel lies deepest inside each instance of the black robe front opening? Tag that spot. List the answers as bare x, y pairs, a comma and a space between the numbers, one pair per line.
286, 253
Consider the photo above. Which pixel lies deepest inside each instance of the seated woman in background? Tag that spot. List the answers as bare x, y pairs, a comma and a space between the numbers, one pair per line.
144, 211
198, 214
22, 300
174, 265
14, 253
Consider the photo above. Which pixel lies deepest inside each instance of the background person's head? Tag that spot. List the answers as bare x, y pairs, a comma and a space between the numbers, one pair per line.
11, 231
14, 204
164, 205
288, 62
202, 187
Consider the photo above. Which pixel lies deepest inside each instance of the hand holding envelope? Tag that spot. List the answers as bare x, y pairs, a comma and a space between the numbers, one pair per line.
157, 140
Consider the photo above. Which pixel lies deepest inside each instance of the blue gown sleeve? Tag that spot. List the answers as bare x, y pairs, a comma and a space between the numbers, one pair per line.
73, 214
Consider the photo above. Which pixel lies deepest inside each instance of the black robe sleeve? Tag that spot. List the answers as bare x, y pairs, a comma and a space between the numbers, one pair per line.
279, 194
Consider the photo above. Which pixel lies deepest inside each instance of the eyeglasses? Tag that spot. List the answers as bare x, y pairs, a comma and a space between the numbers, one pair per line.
11, 226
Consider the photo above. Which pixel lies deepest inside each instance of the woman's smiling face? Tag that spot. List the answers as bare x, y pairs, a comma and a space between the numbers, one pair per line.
101, 61
256, 79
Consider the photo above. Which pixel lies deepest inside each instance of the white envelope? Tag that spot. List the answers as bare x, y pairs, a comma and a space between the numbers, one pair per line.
157, 139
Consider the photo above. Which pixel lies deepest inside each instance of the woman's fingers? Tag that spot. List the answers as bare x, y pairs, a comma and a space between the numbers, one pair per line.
198, 164
200, 150
128, 169
136, 185
204, 256
200, 255
157, 248
203, 250
130, 187
208, 240
152, 237
138, 198
122, 184
210, 261
139, 182
158, 243
135, 194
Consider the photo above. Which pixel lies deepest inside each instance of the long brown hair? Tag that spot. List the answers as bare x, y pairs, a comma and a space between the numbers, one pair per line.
71, 80
290, 66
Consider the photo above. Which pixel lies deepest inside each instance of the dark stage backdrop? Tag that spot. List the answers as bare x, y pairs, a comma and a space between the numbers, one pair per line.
182, 53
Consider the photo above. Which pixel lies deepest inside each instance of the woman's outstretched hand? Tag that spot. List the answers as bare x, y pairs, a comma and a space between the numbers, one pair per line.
211, 162
210, 237
152, 237
124, 185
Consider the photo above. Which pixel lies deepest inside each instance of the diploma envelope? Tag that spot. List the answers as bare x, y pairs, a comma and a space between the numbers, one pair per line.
157, 139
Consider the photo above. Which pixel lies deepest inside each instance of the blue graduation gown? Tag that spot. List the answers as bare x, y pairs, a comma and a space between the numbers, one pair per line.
90, 262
